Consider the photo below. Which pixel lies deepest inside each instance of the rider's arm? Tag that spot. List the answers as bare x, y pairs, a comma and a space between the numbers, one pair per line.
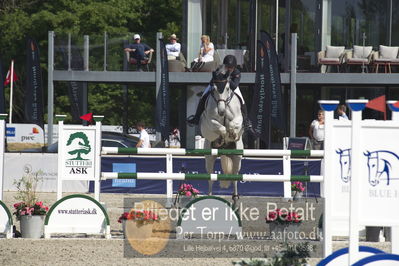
235, 77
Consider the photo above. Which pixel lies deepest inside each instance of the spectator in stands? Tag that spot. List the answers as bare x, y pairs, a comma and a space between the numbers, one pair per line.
207, 50
139, 52
316, 131
144, 138
173, 48
342, 112
174, 139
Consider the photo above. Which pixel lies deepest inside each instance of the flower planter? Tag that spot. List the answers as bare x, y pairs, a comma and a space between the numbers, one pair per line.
373, 233
284, 230
183, 201
32, 226
296, 195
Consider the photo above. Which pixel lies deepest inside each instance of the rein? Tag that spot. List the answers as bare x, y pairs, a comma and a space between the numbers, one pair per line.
227, 101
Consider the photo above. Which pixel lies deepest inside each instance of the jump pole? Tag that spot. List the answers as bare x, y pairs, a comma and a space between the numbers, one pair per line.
212, 177
216, 152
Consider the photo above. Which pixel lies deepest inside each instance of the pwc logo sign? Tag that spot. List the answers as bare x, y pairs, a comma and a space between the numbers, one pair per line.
24, 133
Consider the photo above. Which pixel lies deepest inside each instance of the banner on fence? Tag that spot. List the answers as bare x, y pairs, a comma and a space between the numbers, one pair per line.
197, 165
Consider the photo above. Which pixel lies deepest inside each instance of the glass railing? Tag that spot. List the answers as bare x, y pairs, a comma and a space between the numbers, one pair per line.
105, 52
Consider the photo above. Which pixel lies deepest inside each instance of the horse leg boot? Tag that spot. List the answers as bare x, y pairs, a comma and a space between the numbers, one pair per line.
194, 120
235, 196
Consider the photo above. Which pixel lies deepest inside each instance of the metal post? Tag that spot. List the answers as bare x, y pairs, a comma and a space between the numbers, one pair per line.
276, 41
85, 68
50, 87
287, 34
293, 85
125, 95
364, 43
390, 24
69, 51
2, 145
105, 50
86, 52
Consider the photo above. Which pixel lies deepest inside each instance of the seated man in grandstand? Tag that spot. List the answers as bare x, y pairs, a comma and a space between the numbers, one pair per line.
173, 48
139, 52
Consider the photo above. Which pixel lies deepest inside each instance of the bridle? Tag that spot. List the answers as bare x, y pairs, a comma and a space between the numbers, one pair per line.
226, 101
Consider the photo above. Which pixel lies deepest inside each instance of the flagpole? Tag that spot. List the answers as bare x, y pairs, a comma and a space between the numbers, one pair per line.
11, 87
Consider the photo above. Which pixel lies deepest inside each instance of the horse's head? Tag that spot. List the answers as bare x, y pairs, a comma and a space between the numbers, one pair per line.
373, 167
221, 89
345, 162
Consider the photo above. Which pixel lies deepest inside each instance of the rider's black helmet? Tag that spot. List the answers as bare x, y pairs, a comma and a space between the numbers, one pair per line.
230, 61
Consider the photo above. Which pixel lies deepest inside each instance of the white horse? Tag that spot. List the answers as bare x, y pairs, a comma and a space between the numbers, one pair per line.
222, 127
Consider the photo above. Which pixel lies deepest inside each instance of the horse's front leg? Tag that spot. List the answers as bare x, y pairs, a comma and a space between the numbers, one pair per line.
218, 128
233, 128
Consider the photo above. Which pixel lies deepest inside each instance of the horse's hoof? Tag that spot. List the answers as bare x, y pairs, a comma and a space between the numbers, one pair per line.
218, 143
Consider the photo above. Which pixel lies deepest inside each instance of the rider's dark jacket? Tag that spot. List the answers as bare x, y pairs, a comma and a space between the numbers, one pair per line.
235, 77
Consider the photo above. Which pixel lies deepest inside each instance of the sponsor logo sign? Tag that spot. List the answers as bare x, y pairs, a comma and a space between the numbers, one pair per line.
24, 133
77, 214
379, 179
78, 148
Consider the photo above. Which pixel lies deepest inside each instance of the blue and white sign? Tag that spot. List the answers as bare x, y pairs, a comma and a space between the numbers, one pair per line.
124, 168
379, 173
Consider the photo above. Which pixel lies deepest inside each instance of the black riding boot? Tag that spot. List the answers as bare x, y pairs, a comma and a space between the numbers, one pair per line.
246, 121
194, 120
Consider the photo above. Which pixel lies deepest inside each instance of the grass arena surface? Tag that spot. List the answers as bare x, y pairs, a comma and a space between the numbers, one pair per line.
94, 250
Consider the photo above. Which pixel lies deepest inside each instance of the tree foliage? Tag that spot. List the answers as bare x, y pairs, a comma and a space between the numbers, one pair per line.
35, 18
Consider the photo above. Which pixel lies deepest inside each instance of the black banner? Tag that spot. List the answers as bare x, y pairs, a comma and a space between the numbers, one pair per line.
75, 88
162, 109
2, 99
260, 107
34, 86
273, 82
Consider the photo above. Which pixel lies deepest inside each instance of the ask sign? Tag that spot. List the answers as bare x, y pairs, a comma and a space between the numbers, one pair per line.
78, 153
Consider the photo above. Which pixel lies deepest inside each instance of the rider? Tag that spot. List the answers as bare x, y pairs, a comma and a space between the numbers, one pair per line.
234, 76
